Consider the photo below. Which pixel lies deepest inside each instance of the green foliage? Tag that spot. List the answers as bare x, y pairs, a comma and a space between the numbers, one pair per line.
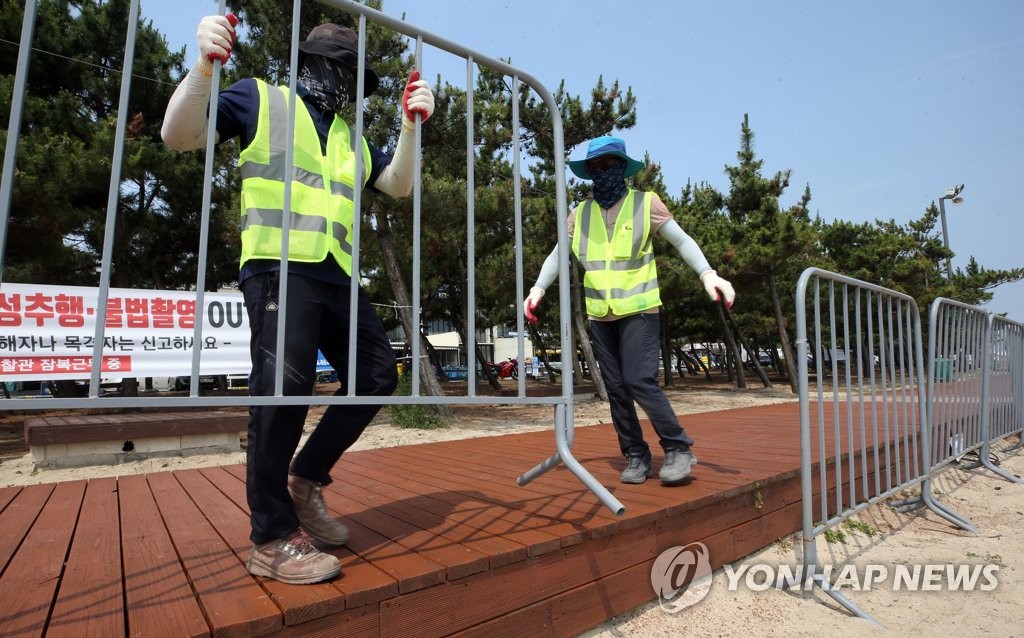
860, 526
414, 415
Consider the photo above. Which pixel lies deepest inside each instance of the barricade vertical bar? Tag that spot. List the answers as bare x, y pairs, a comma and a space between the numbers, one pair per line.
859, 330
850, 460
19, 90
517, 198
113, 197
836, 420
417, 240
289, 168
822, 466
204, 221
885, 352
471, 378
349, 380
874, 393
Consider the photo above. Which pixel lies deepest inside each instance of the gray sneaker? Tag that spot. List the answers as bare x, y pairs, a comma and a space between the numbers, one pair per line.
312, 512
676, 468
638, 468
293, 560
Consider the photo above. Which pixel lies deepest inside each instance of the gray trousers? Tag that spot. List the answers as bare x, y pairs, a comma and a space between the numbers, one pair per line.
627, 350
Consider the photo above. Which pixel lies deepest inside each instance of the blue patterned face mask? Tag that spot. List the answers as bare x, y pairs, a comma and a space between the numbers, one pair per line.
609, 181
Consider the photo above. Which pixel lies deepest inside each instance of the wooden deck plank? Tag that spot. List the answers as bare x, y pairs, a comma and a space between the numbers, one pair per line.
573, 506
451, 607
7, 495
458, 560
433, 516
298, 604
489, 514
373, 585
90, 600
508, 497
411, 571
443, 540
16, 519
158, 596
29, 584
233, 603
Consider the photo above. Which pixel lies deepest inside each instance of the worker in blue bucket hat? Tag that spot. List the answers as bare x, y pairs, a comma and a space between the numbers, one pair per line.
610, 234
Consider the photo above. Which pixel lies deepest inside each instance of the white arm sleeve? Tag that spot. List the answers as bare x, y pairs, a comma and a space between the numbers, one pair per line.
688, 249
549, 270
184, 127
396, 178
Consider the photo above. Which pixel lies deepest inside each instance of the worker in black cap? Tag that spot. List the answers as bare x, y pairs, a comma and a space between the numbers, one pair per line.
284, 493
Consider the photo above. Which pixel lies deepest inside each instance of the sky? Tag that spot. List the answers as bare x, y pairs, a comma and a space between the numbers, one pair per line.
878, 106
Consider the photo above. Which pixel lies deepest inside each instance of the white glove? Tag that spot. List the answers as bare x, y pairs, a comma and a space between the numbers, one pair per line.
714, 284
417, 98
216, 36
531, 303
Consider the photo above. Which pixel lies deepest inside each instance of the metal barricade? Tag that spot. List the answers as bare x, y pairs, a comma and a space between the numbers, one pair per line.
1003, 391
864, 431
562, 404
958, 338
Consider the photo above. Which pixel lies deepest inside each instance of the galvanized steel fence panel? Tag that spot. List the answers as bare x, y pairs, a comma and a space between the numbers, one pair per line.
562, 403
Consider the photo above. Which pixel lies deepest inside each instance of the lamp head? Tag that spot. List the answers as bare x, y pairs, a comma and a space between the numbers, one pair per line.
953, 192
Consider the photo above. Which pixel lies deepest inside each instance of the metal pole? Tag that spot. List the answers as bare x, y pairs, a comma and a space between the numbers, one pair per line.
945, 236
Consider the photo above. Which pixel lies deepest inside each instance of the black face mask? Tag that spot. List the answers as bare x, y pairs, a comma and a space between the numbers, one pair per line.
328, 84
609, 183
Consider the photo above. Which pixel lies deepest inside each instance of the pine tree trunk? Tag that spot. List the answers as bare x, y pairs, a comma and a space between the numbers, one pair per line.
576, 294
780, 322
730, 344
428, 379
751, 351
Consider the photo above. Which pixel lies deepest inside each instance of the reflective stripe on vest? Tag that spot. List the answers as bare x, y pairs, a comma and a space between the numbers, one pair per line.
322, 186
621, 274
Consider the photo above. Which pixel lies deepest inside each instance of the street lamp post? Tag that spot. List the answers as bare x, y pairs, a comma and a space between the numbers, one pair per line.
954, 195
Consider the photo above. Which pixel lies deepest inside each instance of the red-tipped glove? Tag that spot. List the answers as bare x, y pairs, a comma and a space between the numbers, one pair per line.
216, 36
417, 98
531, 303
713, 284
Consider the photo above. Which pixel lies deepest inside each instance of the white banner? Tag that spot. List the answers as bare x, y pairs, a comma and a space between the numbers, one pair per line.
47, 333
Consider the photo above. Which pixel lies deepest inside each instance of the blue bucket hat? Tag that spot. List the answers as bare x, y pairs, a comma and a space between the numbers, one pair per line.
605, 145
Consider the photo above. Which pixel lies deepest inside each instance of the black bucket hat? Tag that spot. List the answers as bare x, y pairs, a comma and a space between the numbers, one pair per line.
341, 44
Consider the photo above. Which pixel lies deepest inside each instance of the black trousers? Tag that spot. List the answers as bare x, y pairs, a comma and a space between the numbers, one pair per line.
317, 317
627, 351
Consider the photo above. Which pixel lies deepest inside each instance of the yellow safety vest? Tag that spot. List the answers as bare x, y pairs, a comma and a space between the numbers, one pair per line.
621, 276
321, 185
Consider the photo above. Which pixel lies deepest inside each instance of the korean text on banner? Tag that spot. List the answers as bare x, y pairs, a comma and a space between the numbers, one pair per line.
47, 333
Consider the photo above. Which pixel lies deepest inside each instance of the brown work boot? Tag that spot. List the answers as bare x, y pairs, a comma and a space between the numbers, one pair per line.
312, 512
293, 560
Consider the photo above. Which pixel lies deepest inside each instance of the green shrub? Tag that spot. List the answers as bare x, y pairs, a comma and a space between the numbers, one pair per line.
413, 415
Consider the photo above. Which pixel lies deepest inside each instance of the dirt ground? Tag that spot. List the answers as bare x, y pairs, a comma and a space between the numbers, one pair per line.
881, 536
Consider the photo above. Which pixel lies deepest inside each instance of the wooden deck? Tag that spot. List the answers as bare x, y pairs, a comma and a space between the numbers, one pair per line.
443, 541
